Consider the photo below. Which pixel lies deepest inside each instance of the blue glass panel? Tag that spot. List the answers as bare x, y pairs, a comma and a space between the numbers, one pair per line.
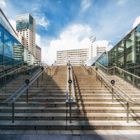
138, 28
8, 45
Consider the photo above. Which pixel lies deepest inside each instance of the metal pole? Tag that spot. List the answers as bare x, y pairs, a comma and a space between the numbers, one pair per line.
133, 81
101, 82
96, 76
42, 76
127, 112
27, 95
114, 71
70, 112
37, 82
66, 113
112, 94
13, 112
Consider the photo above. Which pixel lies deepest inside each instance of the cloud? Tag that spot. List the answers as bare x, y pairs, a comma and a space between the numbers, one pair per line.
121, 2
136, 22
85, 4
75, 36
42, 21
2, 3
13, 23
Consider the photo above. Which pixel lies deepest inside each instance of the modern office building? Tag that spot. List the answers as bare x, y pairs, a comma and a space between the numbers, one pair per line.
38, 53
100, 50
75, 56
125, 54
11, 50
25, 26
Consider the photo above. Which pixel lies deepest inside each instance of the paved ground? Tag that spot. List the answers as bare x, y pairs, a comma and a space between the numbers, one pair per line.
69, 137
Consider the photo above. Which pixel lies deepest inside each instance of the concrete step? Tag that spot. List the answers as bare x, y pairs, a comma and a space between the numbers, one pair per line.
63, 125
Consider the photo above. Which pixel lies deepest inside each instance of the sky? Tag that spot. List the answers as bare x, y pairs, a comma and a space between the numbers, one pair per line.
69, 24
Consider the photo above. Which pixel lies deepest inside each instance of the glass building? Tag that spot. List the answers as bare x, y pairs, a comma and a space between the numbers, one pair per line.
11, 50
125, 54
25, 21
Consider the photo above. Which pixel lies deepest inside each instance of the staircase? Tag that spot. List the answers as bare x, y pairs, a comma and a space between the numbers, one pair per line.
46, 108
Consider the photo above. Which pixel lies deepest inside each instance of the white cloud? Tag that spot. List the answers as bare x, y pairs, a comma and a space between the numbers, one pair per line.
42, 21
75, 36
136, 22
121, 2
85, 4
2, 3
13, 23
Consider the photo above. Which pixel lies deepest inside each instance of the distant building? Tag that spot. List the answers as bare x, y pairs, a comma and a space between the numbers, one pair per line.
38, 53
75, 56
25, 26
100, 50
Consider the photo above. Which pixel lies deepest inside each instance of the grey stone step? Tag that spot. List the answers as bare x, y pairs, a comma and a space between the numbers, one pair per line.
63, 125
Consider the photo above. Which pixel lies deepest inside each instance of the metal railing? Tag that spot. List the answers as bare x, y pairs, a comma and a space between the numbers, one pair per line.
127, 76
7, 76
116, 92
5, 69
11, 72
70, 90
21, 90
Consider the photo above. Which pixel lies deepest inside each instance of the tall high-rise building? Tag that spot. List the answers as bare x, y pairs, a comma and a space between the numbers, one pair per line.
25, 26
38, 53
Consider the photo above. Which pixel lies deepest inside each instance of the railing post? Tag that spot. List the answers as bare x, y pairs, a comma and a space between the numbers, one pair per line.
66, 113
96, 73
42, 75
107, 71
127, 105
70, 112
112, 83
42, 72
27, 95
13, 112
37, 82
27, 81
114, 71
112, 94
101, 82
133, 81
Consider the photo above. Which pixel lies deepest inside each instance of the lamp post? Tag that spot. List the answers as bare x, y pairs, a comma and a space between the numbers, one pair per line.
92, 40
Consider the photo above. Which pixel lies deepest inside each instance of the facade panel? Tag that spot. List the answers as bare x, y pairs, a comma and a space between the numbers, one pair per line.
126, 53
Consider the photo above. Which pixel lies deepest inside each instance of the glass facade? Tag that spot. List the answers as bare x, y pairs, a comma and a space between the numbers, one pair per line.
9, 44
126, 53
24, 22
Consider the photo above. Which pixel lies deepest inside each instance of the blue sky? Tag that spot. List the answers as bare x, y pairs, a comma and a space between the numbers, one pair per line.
106, 19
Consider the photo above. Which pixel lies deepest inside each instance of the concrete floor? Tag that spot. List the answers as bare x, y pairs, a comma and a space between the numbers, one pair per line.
68, 137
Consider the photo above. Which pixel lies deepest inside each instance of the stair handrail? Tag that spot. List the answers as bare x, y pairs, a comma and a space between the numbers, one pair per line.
119, 92
119, 69
23, 88
5, 69
132, 101
70, 95
70, 91
11, 72
20, 91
